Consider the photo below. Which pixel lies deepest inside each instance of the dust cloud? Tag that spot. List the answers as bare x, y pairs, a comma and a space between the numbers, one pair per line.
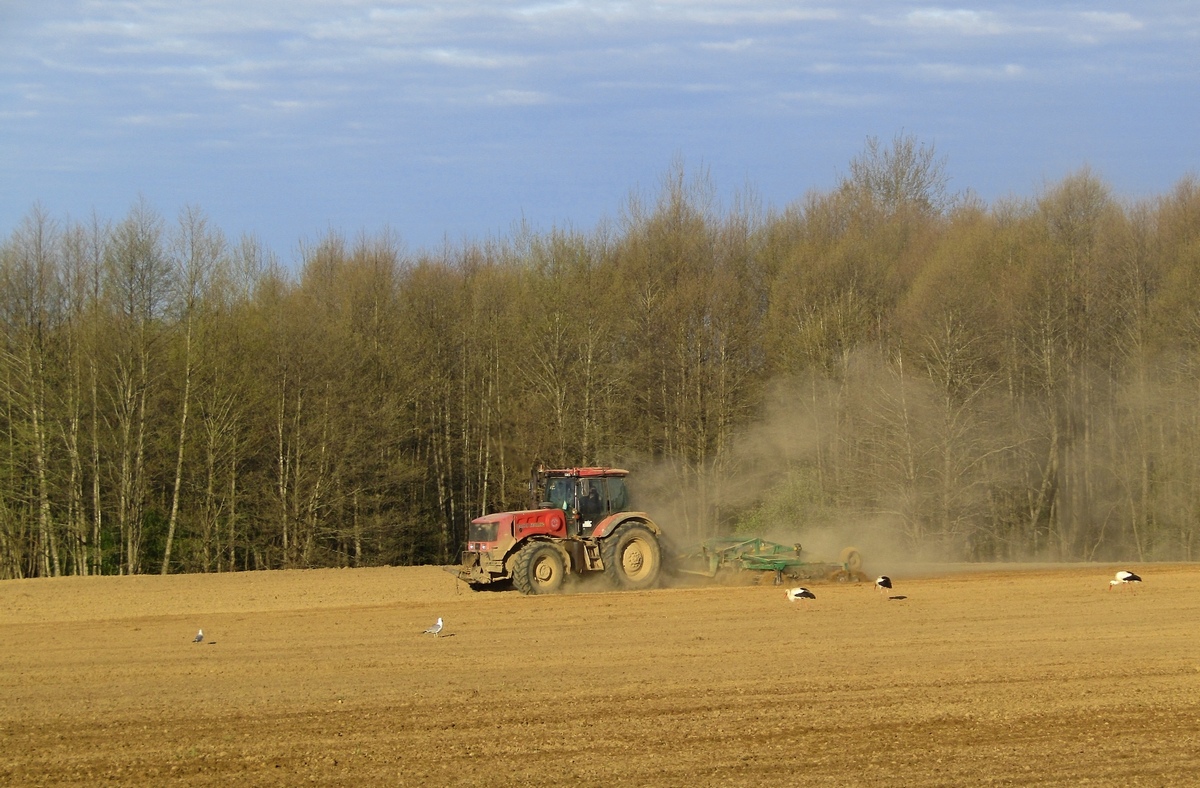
767, 486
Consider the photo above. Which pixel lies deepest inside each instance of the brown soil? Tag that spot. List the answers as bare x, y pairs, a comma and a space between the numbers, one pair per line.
1033, 677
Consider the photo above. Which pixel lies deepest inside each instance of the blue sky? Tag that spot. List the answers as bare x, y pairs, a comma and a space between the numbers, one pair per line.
453, 120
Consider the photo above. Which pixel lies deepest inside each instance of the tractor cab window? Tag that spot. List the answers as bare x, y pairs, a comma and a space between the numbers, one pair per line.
559, 493
618, 495
591, 497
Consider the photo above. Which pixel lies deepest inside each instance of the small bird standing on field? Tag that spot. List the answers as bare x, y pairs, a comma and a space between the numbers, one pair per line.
800, 594
1122, 578
883, 583
199, 637
435, 630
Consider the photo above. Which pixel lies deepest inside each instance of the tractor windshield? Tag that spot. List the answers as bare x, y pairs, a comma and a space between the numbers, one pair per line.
559, 493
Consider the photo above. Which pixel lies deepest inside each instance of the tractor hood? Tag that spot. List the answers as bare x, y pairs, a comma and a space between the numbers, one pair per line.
505, 526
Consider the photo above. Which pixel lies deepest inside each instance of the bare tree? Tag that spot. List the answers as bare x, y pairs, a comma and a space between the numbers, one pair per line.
196, 250
137, 284
904, 176
83, 331
31, 316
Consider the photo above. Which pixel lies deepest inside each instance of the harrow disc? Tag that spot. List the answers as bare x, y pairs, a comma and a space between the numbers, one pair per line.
851, 559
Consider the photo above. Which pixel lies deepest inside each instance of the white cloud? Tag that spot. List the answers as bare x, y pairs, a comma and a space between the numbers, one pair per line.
228, 83
1116, 22
577, 13
294, 105
825, 67
165, 120
718, 13
462, 59
957, 20
765, 17
958, 72
705, 87
517, 98
740, 45
832, 99
1034, 27
218, 145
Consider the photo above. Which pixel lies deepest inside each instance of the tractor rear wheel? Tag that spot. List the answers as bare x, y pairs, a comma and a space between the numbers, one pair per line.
852, 559
539, 569
632, 557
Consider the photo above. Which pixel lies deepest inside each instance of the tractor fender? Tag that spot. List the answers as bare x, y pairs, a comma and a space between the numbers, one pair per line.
610, 524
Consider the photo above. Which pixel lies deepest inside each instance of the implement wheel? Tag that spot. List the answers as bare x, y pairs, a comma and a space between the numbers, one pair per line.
632, 557
539, 569
851, 559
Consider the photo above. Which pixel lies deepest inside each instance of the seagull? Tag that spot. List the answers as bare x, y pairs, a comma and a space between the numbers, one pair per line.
1122, 578
883, 583
434, 630
800, 593
199, 637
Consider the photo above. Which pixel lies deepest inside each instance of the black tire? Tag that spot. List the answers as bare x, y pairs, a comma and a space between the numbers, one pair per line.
632, 557
539, 569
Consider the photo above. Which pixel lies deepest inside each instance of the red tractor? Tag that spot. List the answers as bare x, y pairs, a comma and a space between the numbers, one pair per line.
581, 524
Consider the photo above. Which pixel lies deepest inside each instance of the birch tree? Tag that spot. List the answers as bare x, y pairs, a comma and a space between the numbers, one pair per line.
196, 252
137, 284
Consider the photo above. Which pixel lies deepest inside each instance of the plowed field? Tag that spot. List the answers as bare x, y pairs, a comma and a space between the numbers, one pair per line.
996, 677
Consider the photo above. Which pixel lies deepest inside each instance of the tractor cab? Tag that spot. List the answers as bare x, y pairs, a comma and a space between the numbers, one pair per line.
586, 495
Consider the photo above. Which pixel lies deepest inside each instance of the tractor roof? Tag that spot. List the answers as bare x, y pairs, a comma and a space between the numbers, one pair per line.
586, 472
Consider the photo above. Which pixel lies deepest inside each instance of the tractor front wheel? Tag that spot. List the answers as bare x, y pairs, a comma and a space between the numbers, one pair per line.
539, 569
632, 557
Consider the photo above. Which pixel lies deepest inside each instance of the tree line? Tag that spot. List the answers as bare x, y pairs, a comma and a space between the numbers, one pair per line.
988, 381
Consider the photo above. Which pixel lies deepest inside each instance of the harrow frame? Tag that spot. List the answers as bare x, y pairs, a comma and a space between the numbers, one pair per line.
725, 554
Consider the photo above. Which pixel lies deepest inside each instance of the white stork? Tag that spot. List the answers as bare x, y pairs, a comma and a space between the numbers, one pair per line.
883, 584
1122, 578
800, 594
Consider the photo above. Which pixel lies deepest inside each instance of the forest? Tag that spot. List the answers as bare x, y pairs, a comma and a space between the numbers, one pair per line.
984, 382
